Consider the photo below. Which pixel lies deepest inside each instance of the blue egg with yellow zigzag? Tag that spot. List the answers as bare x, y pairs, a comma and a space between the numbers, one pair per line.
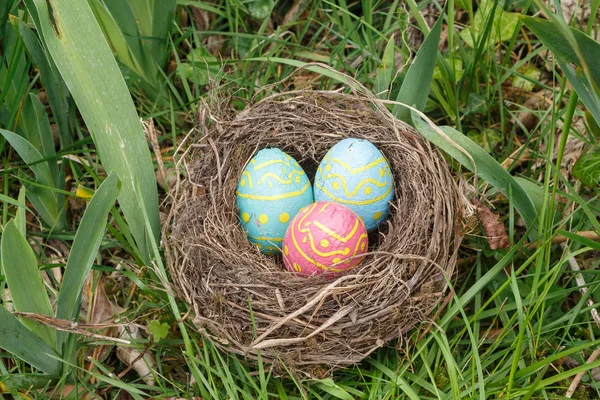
356, 174
272, 189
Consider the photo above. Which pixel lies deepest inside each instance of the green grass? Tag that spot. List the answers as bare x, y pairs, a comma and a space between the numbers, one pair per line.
517, 313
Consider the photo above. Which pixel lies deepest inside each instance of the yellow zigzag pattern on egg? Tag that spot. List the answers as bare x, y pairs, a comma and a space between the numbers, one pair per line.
357, 169
247, 174
356, 202
329, 232
271, 162
276, 197
278, 178
357, 188
268, 239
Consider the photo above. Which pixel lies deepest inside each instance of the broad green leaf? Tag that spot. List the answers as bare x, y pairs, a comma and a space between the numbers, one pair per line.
453, 142
202, 66
117, 39
163, 13
195, 73
25, 281
385, 72
534, 191
14, 76
20, 203
572, 48
47, 202
154, 19
5, 7
594, 126
581, 85
56, 90
526, 80
159, 330
15, 382
84, 59
587, 168
26, 345
20, 217
415, 87
35, 127
503, 25
260, 9
457, 67
138, 32
84, 250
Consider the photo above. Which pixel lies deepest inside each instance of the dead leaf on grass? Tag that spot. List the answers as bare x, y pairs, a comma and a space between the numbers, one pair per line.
493, 227
102, 311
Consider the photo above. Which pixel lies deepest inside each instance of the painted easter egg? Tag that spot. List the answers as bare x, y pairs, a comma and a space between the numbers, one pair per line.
324, 237
271, 190
356, 174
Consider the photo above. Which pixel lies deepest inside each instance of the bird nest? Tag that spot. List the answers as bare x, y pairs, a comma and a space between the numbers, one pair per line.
248, 303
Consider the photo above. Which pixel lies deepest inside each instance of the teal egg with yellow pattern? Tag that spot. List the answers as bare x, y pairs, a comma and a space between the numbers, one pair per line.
356, 174
272, 189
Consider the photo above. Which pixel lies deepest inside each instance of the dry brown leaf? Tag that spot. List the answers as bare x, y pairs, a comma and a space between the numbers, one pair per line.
141, 362
493, 227
102, 311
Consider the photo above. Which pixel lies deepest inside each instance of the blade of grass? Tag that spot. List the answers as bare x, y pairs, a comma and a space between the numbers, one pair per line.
385, 73
572, 46
35, 127
26, 345
84, 251
485, 166
82, 55
24, 280
415, 87
45, 200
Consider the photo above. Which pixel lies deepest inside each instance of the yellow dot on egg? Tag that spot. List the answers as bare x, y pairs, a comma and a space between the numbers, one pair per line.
362, 246
286, 250
253, 161
296, 164
381, 172
324, 243
304, 239
328, 167
377, 215
368, 190
245, 217
263, 219
297, 268
284, 217
336, 185
243, 182
297, 179
336, 260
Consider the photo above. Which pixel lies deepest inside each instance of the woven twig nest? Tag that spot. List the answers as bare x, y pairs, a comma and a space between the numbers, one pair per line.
248, 303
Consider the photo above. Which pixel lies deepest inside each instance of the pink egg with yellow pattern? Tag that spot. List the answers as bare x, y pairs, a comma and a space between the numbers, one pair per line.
324, 237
